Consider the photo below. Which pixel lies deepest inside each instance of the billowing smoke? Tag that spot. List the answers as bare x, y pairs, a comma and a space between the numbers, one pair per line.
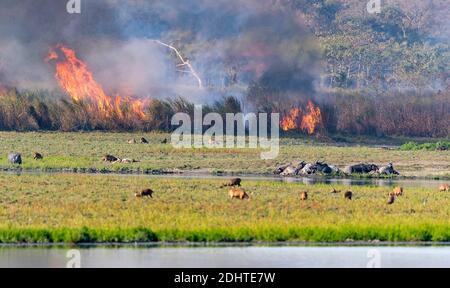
232, 44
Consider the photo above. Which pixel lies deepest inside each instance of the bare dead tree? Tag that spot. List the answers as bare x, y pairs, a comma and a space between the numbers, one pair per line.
184, 63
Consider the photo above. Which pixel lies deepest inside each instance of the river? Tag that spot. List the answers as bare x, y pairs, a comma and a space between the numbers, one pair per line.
227, 257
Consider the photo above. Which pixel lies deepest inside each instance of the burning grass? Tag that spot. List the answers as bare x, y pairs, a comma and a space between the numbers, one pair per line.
87, 208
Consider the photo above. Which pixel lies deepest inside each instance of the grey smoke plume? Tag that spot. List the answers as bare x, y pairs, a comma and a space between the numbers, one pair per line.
231, 43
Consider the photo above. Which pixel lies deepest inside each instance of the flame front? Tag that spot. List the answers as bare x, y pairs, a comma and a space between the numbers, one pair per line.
291, 121
77, 80
312, 120
308, 122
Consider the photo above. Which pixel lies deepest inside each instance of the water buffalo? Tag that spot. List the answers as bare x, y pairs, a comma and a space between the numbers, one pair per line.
361, 169
308, 169
281, 168
388, 170
15, 158
303, 196
38, 156
238, 193
144, 193
233, 183
289, 171
144, 141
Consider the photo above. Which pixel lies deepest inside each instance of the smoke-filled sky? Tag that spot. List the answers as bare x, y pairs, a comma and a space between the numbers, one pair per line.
219, 37
230, 43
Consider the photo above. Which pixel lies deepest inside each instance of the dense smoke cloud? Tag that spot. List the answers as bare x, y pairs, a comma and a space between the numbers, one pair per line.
230, 43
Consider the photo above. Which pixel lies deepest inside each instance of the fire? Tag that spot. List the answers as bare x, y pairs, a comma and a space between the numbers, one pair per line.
77, 80
312, 120
291, 121
308, 122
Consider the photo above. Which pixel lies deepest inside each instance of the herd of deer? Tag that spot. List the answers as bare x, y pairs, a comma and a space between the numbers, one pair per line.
236, 192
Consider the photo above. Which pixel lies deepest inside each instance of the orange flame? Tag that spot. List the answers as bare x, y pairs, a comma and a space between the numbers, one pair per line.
291, 121
312, 120
77, 80
309, 122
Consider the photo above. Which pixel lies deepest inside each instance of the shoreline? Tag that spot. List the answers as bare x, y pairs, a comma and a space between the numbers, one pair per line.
256, 244
207, 173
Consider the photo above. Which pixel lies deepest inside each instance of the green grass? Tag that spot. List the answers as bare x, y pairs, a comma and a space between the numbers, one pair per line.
79, 208
82, 152
413, 146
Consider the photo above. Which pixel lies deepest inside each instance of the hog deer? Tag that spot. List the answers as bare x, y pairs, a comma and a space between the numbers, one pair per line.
397, 192
144, 193
303, 196
348, 195
37, 156
238, 194
444, 188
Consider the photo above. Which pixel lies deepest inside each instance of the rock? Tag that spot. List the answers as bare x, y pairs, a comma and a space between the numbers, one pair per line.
15, 158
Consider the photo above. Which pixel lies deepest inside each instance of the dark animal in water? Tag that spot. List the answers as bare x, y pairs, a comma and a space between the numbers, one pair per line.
144, 141
303, 196
38, 156
165, 141
348, 195
233, 183
361, 169
144, 193
238, 193
15, 158
110, 158
391, 200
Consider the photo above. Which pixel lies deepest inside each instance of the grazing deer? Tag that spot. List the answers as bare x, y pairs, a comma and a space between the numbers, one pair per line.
110, 158
238, 193
132, 141
348, 195
398, 191
444, 188
391, 200
334, 191
303, 196
144, 193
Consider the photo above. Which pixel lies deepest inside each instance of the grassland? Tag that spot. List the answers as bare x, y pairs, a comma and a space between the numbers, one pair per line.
82, 152
76, 208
